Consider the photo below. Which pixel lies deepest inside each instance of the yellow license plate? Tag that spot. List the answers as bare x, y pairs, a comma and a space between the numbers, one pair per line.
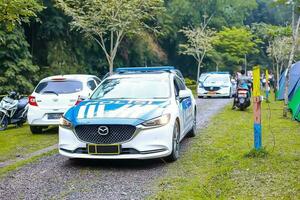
104, 149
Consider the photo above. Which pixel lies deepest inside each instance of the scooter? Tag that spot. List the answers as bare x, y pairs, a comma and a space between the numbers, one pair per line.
243, 97
13, 110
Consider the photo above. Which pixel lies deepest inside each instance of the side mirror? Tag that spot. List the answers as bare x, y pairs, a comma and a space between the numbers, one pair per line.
184, 94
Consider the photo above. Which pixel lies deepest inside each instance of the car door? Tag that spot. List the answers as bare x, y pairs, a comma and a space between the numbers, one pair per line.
184, 105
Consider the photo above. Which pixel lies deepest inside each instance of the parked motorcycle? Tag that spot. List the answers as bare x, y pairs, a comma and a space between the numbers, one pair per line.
13, 110
243, 96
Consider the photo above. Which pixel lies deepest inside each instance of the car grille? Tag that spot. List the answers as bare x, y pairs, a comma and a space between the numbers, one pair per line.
212, 88
117, 134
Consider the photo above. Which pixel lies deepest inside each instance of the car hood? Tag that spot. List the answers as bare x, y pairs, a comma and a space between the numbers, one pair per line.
216, 84
116, 111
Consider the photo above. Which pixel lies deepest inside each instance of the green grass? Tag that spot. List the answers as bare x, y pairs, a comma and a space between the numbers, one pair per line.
16, 142
221, 162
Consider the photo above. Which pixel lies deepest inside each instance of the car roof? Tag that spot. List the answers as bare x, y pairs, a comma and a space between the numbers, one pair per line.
140, 75
81, 77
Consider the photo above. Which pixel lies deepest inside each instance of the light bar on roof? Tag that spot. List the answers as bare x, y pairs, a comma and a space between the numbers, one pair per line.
144, 69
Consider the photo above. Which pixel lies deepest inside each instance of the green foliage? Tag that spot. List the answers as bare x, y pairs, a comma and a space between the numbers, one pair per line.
233, 44
17, 71
270, 13
14, 12
190, 82
199, 42
107, 22
56, 49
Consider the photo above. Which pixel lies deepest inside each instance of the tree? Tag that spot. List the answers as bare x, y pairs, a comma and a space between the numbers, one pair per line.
234, 43
279, 50
107, 22
14, 12
295, 27
199, 42
17, 71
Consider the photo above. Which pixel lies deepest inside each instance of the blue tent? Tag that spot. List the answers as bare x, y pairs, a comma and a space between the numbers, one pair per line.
294, 82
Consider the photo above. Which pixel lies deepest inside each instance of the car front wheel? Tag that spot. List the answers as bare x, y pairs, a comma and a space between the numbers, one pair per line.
175, 144
193, 131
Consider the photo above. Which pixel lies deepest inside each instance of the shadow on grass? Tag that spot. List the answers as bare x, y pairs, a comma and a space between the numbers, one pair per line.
50, 130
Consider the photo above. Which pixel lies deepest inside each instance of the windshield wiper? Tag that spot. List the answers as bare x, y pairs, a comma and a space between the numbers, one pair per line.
50, 92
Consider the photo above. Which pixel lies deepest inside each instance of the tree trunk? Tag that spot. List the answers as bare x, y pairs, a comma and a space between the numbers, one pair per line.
111, 65
287, 78
198, 74
277, 76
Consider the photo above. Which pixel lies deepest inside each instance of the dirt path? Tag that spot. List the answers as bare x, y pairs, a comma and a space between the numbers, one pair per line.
56, 177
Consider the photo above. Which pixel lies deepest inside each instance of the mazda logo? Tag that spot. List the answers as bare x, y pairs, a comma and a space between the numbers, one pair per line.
211, 88
103, 130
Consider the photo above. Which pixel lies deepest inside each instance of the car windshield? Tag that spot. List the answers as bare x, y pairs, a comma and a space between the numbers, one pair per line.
59, 87
133, 88
217, 80
202, 77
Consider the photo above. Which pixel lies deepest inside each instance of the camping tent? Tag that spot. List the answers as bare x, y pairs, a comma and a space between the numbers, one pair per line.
294, 82
294, 105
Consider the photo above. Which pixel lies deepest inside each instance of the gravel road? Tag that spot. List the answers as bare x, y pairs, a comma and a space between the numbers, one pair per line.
56, 177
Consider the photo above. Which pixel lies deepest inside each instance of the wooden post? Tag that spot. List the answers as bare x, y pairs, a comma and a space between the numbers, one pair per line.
257, 108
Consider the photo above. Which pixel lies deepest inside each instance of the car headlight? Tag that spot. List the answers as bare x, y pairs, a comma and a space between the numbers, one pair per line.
63, 122
157, 122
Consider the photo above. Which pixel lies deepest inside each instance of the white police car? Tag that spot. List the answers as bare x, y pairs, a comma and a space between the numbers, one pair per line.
136, 113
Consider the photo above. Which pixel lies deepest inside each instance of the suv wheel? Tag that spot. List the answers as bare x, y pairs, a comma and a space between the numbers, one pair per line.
36, 129
193, 131
176, 144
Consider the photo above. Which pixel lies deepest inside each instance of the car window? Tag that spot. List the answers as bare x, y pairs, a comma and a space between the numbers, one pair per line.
180, 84
176, 88
91, 84
59, 87
97, 81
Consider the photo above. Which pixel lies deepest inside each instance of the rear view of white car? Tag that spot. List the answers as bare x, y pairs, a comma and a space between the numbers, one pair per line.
54, 95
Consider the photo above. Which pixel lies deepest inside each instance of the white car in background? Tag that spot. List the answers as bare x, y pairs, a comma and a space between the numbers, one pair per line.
216, 84
54, 95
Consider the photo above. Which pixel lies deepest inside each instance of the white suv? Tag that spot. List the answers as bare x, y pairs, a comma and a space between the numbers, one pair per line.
136, 113
54, 95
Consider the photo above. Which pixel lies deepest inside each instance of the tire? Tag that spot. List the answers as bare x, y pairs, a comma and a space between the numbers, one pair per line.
193, 131
4, 124
36, 129
175, 144
230, 94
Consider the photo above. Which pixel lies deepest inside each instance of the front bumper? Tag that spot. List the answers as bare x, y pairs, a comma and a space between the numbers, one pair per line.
224, 92
146, 144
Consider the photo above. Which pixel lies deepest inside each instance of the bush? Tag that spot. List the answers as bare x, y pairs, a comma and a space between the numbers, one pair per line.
190, 81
